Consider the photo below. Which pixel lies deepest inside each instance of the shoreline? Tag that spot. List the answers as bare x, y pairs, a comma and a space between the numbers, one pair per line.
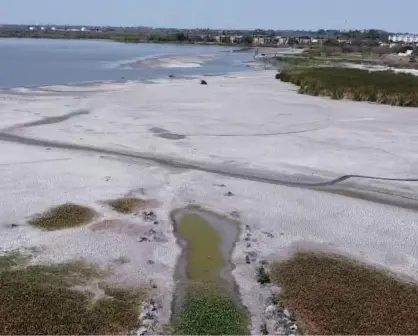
301, 139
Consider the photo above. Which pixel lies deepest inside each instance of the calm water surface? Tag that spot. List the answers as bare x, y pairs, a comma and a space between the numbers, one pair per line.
37, 62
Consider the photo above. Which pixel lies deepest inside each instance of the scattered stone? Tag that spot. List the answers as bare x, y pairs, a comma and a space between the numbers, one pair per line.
143, 239
249, 234
160, 238
263, 329
247, 239
270, 310
262, 275
13, 225
150, 262
248, 245
275, 290
147, 323
254, 240
263, 262
142, 330
229, 193
253, 255
247, 227
107, 178
170, 76
247, 259
203, 82
234, 214
287, 313
282, 234
268, 234
152, 284
152, 231
155, 222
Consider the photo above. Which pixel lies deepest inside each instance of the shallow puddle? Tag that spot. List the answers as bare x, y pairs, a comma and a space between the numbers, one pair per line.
207, 240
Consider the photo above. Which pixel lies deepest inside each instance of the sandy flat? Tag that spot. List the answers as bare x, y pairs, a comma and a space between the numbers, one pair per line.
236, 128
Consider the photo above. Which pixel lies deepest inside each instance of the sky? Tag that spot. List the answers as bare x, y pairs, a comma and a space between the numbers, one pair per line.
394, 16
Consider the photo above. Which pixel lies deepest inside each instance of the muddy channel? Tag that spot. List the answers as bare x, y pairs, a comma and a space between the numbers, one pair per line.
207, 240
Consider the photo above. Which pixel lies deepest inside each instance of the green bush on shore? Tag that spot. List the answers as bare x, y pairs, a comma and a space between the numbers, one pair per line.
384, 87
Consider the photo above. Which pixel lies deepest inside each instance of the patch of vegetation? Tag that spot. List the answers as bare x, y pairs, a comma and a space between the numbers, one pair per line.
384, 87
209, 310
12, 259
205, 259
41, 300
332, 295
127, 205
63, 216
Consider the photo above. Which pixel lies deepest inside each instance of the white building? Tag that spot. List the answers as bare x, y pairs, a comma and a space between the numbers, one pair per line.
404, 38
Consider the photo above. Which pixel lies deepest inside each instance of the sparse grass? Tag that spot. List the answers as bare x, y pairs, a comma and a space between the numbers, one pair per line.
63, 216
384, 87
12, 259
127, 205
209, 310
333, 295
41, 300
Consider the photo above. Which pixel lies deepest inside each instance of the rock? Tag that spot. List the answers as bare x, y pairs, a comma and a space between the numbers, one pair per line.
148, 322
253, 254
270, 310
142, 330
293, 327
234, 214
254, 240
248, 245
143, 239
150, 262
249, 234
263, 262
247, 227
170, 76
152, 284
13, 225
229, 193
203, 82
275, 290
155, 222
247, 259
247, 239
152, 231
287, 313
268, 234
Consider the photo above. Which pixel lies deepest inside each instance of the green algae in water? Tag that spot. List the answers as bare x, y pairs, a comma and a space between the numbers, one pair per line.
210, 310
205, 260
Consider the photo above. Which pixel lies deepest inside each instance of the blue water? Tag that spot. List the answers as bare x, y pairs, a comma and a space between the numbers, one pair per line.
38, 62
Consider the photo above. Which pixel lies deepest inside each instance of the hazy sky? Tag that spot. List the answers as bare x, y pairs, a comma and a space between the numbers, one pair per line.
397, 16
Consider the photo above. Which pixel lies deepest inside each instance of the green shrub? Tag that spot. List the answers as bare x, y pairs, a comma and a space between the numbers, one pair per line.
384, 87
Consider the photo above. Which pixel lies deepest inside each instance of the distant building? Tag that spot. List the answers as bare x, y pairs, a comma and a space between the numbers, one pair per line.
404, 38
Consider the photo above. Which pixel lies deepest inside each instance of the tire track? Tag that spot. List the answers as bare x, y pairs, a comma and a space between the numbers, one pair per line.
241, 173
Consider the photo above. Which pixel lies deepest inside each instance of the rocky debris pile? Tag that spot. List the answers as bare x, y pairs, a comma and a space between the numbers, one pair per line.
152, 235
277, 320
149, 318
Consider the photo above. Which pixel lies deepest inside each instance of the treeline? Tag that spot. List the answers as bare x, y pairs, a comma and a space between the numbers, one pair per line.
118, 36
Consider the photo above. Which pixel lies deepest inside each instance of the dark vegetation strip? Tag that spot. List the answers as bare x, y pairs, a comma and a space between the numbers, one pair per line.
42, 300
384, 87
334, 295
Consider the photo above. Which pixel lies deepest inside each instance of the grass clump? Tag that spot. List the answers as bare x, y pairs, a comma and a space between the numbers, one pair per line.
42, 300
384, 87
127, 205
63, 216
333, 295
209, 310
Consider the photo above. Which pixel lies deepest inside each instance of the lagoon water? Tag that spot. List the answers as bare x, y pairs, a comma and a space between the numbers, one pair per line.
40, 62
